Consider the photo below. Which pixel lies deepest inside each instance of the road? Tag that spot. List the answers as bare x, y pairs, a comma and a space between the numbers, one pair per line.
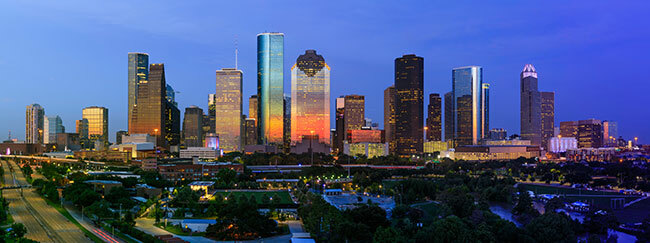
44, 223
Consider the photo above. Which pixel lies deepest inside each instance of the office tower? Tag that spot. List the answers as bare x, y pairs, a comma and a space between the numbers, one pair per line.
310, 96
498, 134
610, 133
354, 112
339, 133
34, 124
485, 110
467, 104
52, 125
569, 129
449, 117
138, 73
434, 118
148, 116
286, 126
118, 136
548, 117
81, 128
590, 133
389, 118
229, 109
409, 104
252, 107
209, 119
193, 127
270, 87
251, 131
530, 112
97, 118
172, 119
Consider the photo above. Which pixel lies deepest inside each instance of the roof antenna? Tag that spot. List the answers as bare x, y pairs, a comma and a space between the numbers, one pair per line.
236, 53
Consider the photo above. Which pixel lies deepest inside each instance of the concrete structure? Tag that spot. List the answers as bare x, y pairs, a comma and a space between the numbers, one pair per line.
364, 136
370, 150
270, 87
507, 142
591, 154
310, 98
8, 148
147, 191
590, 133
119, 135
229, 109
569, 129
409, 104
181, 172
250, 132
67, 141
498, 134
561, 144
201, 152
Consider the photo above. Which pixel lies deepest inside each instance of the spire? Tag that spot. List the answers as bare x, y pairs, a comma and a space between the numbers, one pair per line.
529, 71
236, 52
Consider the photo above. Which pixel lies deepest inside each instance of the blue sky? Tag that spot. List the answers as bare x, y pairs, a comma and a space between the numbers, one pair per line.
66, 55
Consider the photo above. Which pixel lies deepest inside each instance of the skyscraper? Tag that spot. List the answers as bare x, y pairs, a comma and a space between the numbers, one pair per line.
548, 117
485, 111
270, 87
252, 107
569, 129
97, 118
610, 133
286, 126
251, 131
229, 109
310, 98
449, 117
118, 136
434, 118
34, 124
209, 119
82, 129
172, 118
590, 133
531, 128
138, 73
339, 133
148, 115
468, 106
354, 112
52, 126
389, 118
409, 104
193, 127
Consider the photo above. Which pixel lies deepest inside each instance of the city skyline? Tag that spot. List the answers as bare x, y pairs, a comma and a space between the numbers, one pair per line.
501, 74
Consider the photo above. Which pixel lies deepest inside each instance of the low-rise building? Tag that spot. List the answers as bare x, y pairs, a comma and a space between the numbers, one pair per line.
561, 144
591, 154
147, 191
103, 155
103, 186
260, 148
201, 152
198, 171
431, 147
495, 152
370, 150
506, 142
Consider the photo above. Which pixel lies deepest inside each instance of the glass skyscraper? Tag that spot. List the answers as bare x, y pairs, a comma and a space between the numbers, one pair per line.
310, 98
34, 124
409, 105
52, 126
531, 127
193, 127
548, 117
97, 118
229, 109
148, 115
468, 107
434, 118
270, 87
138, 73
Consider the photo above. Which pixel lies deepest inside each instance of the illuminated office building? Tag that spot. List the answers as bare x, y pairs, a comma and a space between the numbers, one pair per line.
53, 126
610, 133
389, 118
530, 106
468, 106
590, 133
286, 128
34, 124
409, 104
252, 107
97, 118
118, 136
310, 95
250, 131
434, 118
498, 134
485, 111
354, 109
547, 116
449, 117
270, 87
569, 129
148, 115
172, 119
209, 119
229, 109
193, 127
138, 73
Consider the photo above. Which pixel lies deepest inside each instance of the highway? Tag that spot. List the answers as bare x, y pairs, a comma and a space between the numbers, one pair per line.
43, 222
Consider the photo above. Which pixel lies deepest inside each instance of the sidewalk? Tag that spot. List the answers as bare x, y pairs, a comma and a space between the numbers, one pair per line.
105, 236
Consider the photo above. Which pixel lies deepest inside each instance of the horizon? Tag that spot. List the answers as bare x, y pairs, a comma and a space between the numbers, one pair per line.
581, 55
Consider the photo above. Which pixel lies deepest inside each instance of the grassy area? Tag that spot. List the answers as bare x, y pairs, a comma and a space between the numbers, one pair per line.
177, 230
285, 197
67, 215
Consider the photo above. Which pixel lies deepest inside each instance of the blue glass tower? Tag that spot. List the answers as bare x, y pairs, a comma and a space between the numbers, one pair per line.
469, 108
270, 87
138, 73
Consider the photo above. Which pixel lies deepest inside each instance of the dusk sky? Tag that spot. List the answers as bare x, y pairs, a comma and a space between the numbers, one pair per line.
67, 55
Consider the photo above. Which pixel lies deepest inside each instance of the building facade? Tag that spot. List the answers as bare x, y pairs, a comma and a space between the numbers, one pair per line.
148, 114
449, 118
286, 128
138, 73
498, 134
561, 144
467, 105
229, 109
270, 87
53, 126
252, 108
118, 136
547, 116
610, 133
569, 129
97, 118
409, 104
590, 133
434, 118
310, 98
389, 118
34, 124
530, 102
193, 127
250, 131
485, 110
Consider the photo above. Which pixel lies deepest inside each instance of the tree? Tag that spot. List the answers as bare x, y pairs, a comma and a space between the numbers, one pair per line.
370, 215
18, 230
227, 175
524, 205
551, 227
553, 204
388, 235
460, 202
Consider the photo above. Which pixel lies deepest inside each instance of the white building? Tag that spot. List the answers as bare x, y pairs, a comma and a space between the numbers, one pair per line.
559, 144
201, 152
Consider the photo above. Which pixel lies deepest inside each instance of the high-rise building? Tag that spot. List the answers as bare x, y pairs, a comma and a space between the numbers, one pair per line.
590, 133
170, 95
339, 132
118, 136
389, 118
530, 112
434, 118
53, 125
468, 106
310, 98
270, 87
211, 117
251, 131
252, 107
172, 119
409, 104
610, 133
34, 124
450, 130
354, 112
569, 129
193, 127
138, 73
485, 110
286, 127
229, 109
97, 118
498, 134
148, 115
547, 116
82, 129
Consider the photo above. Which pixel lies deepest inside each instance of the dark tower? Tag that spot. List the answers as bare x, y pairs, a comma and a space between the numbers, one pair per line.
409, 107
434, 119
